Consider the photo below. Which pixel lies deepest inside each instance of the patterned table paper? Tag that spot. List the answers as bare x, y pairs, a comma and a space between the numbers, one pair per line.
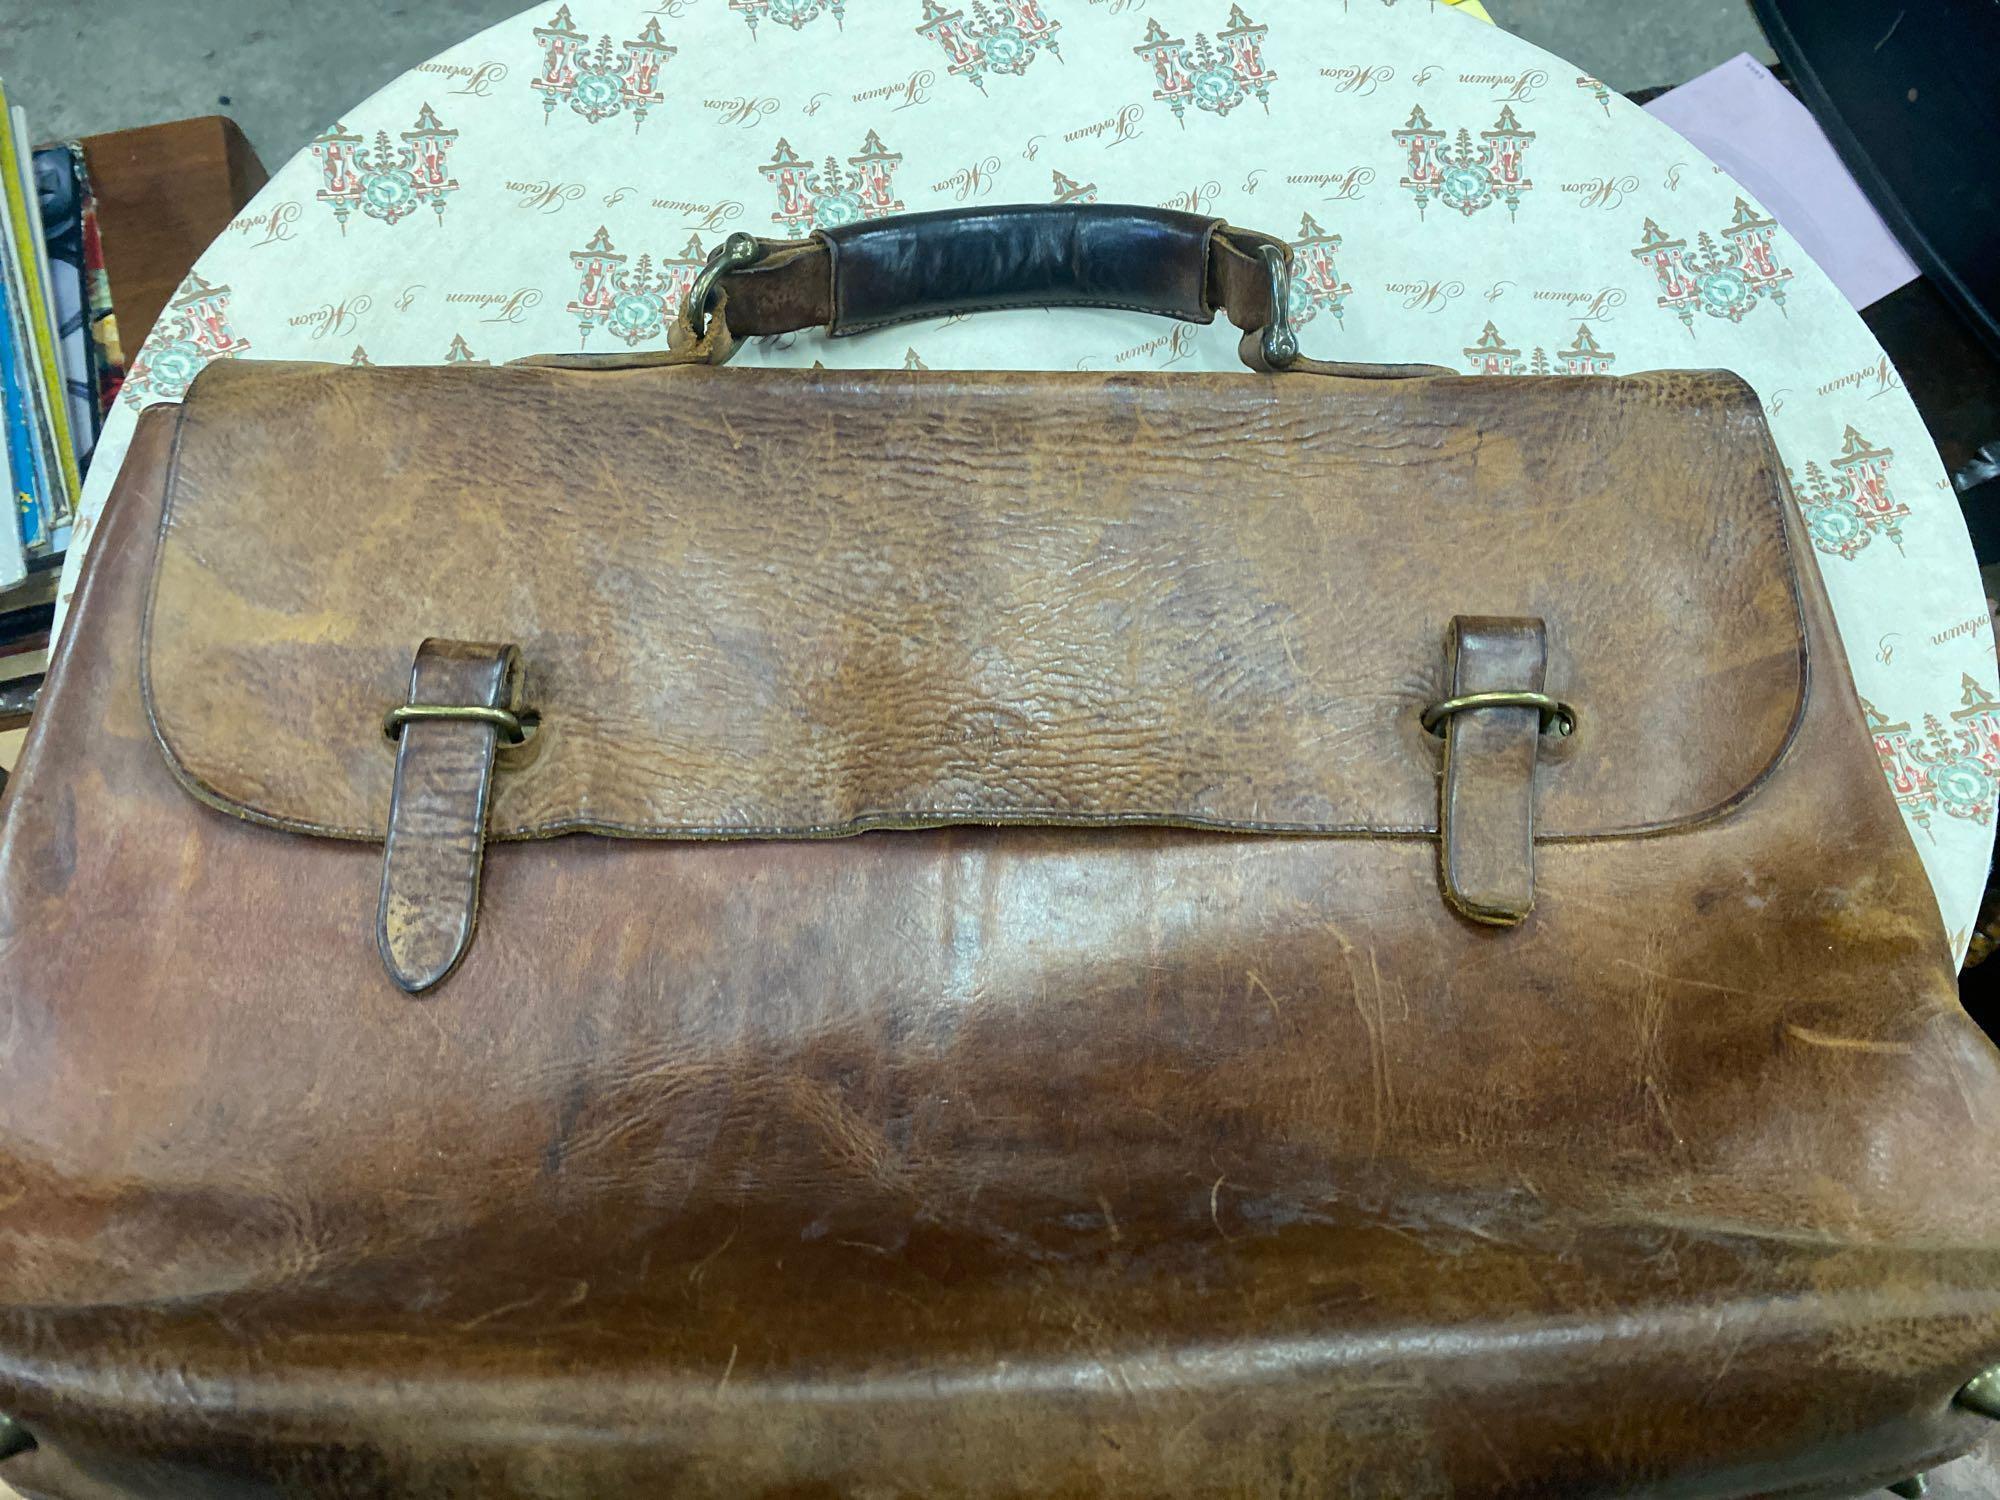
1454, 195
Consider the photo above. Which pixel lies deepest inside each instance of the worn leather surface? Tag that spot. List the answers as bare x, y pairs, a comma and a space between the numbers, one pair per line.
436, 843
927, 265
977, 1162
1207, 600
868, 274
1486, 828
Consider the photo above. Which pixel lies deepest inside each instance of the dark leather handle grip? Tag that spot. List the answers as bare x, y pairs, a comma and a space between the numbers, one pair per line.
1028, 255
874, 273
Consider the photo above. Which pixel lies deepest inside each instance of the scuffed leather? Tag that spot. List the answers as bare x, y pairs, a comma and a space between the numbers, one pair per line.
913, 266
1486, 820
971, 1163
953, 261
851, 600
436, 842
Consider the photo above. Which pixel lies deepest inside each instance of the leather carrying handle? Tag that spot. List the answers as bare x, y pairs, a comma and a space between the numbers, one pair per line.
1041, 255
876, 273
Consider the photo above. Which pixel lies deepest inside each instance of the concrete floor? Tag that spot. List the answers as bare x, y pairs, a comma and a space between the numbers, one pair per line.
285, 69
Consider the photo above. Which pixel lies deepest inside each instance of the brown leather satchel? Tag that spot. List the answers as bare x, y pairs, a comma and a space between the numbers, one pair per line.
1300, 933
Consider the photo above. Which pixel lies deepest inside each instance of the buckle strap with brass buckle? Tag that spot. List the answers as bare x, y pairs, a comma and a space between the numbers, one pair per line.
464, 702
1497, 667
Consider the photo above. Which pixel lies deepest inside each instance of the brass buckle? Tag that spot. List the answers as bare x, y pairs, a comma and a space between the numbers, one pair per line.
509, 724
1553, 711
732, 254
1281, 340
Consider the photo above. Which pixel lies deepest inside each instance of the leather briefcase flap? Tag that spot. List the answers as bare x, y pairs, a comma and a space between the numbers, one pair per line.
808, 602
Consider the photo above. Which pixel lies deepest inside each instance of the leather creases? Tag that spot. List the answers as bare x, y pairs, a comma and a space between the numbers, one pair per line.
843, 601
978, 1162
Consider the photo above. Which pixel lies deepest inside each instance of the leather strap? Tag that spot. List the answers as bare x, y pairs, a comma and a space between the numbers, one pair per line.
437, 812
869, 275
1486, 815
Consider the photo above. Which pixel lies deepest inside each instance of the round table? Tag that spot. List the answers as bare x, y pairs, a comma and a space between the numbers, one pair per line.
1454, 195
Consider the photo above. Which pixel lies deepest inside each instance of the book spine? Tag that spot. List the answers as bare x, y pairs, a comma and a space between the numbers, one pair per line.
25, 224
24, 496
17, 425
37, 479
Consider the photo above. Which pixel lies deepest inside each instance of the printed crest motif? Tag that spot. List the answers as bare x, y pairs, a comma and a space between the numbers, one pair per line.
1723, 281
797, 14
1316, 284
461, 354
387, 182
601, 83
1847, 511
192, 332
1215, 76
1463, 176
1490, 354
635, 301
1945, 768
990, 42
1069, 190
1596, 89
825, 197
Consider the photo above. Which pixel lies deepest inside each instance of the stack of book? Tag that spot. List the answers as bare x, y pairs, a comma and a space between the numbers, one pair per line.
60, 364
